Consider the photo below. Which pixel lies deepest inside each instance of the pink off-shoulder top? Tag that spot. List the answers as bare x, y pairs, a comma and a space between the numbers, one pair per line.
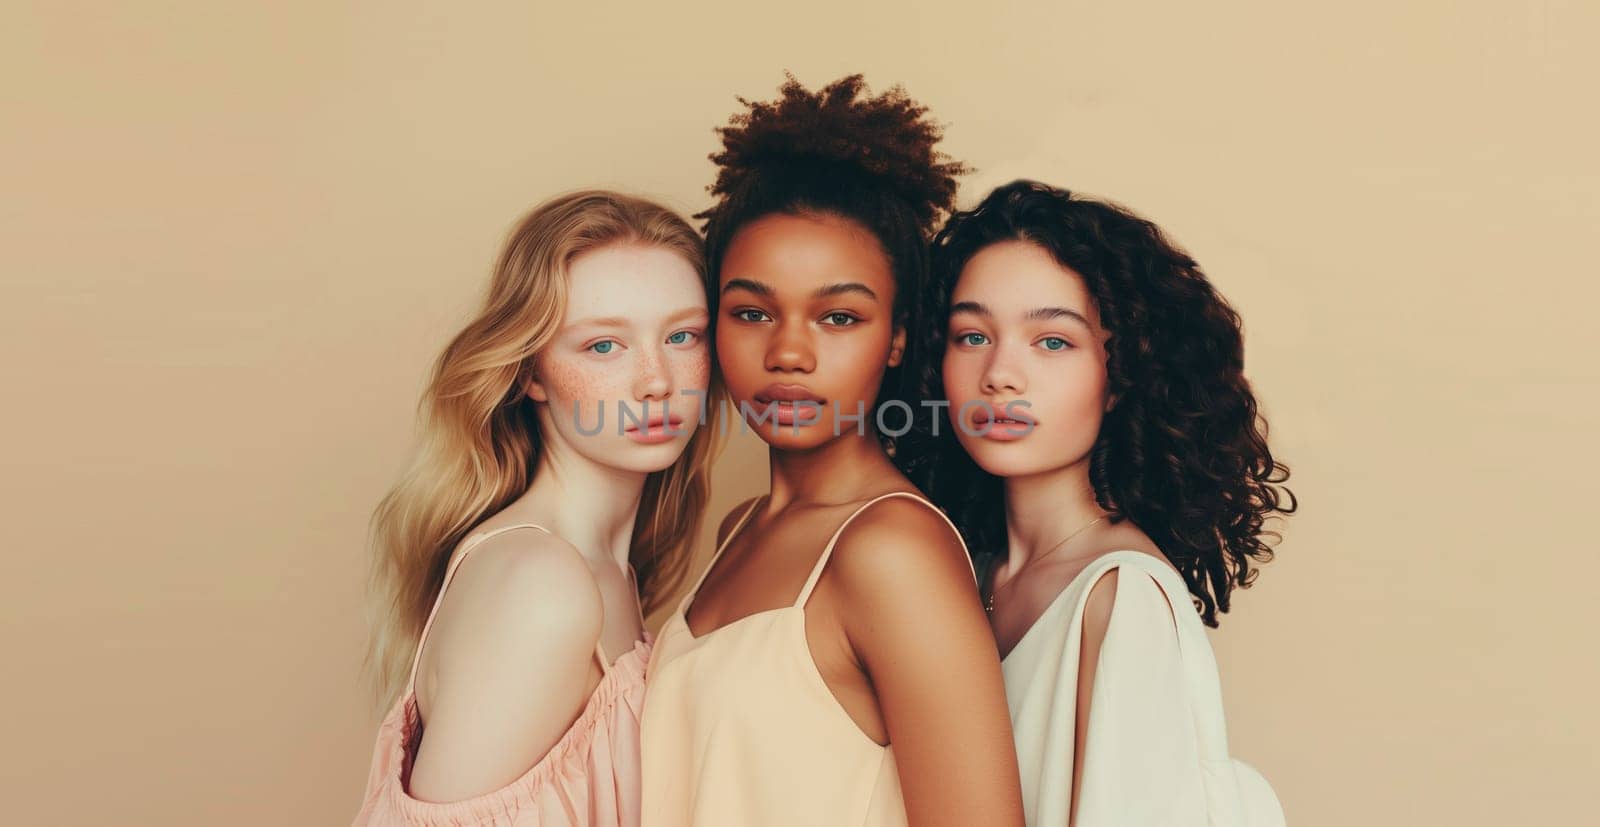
589, 778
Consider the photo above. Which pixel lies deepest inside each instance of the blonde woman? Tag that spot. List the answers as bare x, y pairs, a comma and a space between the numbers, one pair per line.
560, 481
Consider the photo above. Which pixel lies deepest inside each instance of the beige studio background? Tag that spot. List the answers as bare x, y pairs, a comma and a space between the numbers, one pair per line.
235, 236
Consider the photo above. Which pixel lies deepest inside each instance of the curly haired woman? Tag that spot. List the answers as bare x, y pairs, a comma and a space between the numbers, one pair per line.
1106, 462
808, 681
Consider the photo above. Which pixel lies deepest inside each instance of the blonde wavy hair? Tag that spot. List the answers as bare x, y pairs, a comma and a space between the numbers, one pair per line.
479, 440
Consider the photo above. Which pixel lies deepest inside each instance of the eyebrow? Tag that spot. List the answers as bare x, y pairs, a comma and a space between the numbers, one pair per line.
843, 288
620, 321
970, 307
687, 313
837, 289
1036, 314
608, 321
753, 286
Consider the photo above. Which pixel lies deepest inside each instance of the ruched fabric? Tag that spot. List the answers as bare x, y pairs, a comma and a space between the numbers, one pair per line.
589, 778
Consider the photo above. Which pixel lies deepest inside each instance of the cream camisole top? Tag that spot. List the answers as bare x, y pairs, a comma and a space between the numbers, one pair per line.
740, 728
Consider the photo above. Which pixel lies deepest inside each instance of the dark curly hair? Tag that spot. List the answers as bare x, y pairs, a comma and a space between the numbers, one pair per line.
842, 152
1183, 452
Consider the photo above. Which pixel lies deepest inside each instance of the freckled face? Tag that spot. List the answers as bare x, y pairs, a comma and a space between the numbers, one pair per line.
1023, 327
632, 341
805, 327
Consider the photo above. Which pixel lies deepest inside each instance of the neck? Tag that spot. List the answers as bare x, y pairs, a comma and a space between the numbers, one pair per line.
589, 505
1044, 509
835, 471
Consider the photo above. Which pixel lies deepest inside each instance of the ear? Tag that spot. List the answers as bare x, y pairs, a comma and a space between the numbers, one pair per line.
897, 346
534, 389
1112, 400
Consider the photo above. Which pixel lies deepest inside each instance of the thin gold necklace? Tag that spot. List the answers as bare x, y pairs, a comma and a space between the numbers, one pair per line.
988, 605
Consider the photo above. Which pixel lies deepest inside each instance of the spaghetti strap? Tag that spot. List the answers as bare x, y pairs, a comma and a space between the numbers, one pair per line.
722, 546
822, 562
599, 651
449, 574
589, 776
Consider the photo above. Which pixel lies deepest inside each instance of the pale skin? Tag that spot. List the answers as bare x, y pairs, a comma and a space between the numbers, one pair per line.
1022, 326
808, 301
510, 661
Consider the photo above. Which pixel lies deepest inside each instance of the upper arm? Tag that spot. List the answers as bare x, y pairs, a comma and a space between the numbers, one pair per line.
509, 667
914, 618
1096, 619
1135, 755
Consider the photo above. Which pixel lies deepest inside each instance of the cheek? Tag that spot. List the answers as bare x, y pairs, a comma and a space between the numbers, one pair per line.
1078, 398
735, 348
569, 379
1081, 416
859, 361
960, 377
692, 369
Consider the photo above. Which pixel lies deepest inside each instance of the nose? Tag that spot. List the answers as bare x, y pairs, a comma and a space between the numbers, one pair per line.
653, 381
1001, 375
789, 350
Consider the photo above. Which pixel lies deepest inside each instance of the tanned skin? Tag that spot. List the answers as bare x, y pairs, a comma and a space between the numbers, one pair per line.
894, 625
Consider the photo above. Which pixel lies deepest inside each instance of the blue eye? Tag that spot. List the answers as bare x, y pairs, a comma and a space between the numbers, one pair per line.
841, 319
973, 339
681, 337
602, 347
1055, 343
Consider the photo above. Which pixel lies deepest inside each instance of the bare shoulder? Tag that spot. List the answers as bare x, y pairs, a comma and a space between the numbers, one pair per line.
517, 592
1097, 606
1129, 588
908, 605
732, 518
903, 545
507, 666
1125, 536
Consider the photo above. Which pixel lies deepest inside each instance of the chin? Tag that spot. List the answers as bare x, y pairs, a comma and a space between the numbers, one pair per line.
1012, 459
786, 436
645, 459
810, 436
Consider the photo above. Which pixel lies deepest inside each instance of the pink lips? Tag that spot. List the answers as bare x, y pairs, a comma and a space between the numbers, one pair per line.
655, 429
787, 393
784, 401
991, 422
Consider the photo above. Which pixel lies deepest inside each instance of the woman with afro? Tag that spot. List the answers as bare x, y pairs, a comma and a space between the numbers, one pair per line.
1105, 460
833, 665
